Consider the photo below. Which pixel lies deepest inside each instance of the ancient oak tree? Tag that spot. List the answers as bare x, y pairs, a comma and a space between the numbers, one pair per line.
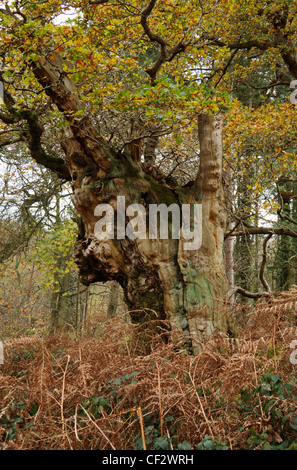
101, 99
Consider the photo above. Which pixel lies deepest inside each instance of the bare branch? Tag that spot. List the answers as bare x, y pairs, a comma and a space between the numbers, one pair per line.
9, 118
263, 231
250, 295
257, 295
9, 12
227, 66
165, 55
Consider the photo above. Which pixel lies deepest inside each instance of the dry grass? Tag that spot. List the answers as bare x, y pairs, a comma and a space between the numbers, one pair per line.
109, 393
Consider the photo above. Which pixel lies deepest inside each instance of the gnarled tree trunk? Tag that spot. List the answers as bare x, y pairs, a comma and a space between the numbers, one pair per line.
159, 277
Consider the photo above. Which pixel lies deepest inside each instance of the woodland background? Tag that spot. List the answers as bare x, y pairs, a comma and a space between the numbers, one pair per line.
78, 374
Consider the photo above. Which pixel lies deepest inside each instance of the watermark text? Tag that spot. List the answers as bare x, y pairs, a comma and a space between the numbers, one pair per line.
164, 222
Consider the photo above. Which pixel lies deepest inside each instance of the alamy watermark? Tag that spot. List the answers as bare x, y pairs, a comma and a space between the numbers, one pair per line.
183, 225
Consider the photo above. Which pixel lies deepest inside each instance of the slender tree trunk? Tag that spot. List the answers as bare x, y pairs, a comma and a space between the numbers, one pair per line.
229, 242
294, 241
229, 262
54, 312
60, 306
284, 244
243, 246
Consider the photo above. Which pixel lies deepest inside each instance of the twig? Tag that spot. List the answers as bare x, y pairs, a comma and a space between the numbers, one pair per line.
139, 413
63, 395
83, 374
255, 371
75, 424
97, 427
201, 405
160, 400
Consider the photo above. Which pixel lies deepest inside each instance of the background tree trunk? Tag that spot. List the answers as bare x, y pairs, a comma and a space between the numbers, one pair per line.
244, 244
283, 253
229, 242
61, 306
113, 300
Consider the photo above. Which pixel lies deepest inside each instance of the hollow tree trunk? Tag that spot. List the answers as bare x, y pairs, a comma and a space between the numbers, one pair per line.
160, 279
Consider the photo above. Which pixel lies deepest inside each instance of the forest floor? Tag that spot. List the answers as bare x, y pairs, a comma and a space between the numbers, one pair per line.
109, 392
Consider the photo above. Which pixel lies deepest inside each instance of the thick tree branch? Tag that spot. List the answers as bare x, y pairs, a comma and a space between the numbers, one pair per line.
11, 141
248, 294
166, 55
33, 133
239, 45
152, 72
149, 152
17, 12
60, 88
55, 164
144, 17
9, 118
290, 59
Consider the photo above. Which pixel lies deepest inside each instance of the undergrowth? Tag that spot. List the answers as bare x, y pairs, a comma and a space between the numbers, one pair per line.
110, 393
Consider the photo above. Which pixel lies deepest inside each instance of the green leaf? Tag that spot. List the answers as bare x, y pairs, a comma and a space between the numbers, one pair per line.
161, 443
185, 445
